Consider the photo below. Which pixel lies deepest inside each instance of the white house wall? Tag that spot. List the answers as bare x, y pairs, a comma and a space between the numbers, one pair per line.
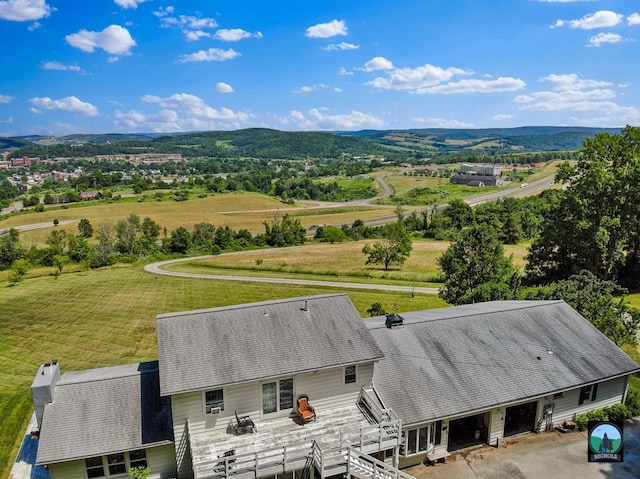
160, 460
609, 393
325, 388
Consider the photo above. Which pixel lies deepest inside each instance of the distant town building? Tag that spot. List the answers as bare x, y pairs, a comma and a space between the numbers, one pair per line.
477, 175
25, 161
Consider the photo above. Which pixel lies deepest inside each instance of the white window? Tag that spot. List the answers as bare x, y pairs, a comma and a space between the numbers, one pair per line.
138, 458
588, 393
213, 399
94, 467
277, 396
418, 440
350, 374
114, 464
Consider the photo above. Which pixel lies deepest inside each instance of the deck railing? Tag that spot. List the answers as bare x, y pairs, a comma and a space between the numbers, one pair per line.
364, 466
374, 407
277, 460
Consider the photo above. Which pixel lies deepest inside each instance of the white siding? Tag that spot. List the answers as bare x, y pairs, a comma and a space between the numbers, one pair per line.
609, 393
67, 470
325, 388
160, 460
496, 425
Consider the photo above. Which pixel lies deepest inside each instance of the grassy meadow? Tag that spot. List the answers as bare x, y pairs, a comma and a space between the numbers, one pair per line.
236, 210
343, 260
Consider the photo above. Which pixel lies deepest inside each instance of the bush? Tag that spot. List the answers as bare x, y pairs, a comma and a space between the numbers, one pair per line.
633, 402
617, 412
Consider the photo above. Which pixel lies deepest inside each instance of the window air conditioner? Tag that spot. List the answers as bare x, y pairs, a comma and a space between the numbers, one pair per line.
215, 410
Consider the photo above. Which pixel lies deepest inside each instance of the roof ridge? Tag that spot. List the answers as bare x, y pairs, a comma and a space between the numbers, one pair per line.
235, 307
123, 374
465, 313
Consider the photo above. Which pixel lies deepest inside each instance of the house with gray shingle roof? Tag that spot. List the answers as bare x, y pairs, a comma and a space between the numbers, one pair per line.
478, 373
401, 388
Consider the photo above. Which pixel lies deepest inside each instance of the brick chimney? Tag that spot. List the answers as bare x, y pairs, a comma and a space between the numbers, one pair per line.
43, 387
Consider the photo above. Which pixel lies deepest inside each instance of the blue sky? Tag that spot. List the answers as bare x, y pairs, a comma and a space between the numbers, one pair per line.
116, 66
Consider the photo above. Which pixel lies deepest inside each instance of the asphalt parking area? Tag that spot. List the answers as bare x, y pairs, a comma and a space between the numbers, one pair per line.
539, 456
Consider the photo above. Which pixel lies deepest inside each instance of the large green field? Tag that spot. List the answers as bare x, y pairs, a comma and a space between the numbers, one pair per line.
107, 317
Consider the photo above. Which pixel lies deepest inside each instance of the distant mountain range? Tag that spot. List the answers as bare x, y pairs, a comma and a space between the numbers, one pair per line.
266, 143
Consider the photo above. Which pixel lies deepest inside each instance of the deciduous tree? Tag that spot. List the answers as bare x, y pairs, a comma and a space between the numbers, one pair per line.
596, 223
394, 248
476, 268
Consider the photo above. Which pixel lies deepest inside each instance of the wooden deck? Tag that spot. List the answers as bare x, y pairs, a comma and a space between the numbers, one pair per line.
283, 444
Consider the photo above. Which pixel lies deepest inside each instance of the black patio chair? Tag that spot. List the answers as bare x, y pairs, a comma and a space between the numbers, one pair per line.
244, 424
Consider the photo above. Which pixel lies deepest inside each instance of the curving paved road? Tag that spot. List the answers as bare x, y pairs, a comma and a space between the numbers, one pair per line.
156, 268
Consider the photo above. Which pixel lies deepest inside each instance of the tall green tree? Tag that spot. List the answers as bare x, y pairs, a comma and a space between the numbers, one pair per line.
85, 229
595, 225
476, 268
284, 231
598, 300
10, 248
394, 247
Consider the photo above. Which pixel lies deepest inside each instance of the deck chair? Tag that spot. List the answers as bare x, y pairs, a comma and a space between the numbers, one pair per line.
306, 412
245, 424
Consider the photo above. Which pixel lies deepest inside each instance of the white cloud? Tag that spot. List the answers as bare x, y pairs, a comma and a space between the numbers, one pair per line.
571, 81
181, 112
61, 67
601, 38
316, 120
501, 84
234, 34
338, 90
416, 79
327, 30
210, 55
222, 87
502, 117
129, 3
6, 98
344, 72
571, 93
309, 88
71, 104
192, 27
193, 35
195, 106
341, 46
378, 63
599, 19
114, 39
8, 121
24, 10
443, 123
634, 19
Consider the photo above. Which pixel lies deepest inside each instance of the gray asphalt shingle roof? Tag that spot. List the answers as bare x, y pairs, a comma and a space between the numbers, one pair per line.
447, 362
229, 345
104, 411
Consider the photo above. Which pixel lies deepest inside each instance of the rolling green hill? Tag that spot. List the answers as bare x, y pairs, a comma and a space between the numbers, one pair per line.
272, 144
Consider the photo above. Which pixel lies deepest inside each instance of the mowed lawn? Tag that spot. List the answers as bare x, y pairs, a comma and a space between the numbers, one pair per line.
107, 317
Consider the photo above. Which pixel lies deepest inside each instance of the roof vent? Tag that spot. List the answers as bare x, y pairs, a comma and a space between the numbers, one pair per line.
306, 306
394, 321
